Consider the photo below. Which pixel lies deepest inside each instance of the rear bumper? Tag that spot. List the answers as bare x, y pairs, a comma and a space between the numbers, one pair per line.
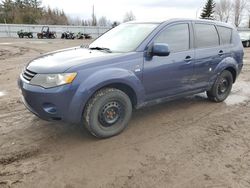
240, 69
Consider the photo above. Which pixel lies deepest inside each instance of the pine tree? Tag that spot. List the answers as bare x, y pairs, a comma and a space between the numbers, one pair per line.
29, 12
208, 10
7, 11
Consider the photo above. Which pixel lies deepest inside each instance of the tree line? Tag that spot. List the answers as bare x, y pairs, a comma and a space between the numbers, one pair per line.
30, 12
233, 11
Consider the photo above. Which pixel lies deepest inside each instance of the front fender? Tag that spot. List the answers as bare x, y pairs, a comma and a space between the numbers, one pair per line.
99, 80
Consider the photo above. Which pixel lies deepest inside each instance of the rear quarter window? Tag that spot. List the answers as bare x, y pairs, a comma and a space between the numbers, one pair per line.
225, 35
206, 36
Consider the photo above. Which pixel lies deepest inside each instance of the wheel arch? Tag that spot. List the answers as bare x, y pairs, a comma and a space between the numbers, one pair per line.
232, 70
125, 88
229, 64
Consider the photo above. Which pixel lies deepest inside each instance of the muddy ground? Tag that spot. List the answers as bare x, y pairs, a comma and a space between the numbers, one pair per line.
186, 143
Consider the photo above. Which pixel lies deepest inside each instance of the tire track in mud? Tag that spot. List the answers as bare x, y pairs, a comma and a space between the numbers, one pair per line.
18, 156
160, 171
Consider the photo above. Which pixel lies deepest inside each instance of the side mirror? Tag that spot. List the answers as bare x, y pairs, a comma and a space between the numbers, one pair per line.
160, 49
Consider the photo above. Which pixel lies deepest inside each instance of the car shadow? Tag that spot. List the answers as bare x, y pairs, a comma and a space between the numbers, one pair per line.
63, 131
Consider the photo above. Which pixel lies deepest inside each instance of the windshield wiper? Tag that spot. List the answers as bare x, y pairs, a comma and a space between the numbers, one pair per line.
101, 48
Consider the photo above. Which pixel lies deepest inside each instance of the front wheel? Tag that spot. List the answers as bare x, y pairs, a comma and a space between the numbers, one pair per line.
222, 87
107, 113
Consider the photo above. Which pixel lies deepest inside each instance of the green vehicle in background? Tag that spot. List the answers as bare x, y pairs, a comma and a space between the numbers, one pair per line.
22, 34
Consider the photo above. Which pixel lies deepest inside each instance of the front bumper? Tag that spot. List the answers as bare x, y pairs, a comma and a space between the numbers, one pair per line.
48, 104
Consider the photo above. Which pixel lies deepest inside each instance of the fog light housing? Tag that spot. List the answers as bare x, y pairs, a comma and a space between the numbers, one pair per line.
49, 108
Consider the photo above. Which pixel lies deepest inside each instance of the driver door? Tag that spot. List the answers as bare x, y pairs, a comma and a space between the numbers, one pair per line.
170, 75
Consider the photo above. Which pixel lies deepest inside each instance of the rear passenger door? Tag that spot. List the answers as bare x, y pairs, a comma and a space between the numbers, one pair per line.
208, 53
226, 45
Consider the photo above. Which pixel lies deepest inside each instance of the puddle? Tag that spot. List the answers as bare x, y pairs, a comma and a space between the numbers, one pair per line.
239, 94
2, 93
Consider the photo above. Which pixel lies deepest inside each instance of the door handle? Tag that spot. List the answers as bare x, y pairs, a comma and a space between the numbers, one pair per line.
188, 59
221, 53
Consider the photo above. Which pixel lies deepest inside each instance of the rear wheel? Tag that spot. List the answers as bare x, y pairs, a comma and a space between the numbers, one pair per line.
247, 44
222, 87
53, 36
107, 113
39, 36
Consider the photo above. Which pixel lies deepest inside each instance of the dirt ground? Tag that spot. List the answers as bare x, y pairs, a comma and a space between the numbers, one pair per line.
188, 143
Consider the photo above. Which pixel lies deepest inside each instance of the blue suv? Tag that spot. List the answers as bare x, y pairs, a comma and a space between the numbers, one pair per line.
131, 66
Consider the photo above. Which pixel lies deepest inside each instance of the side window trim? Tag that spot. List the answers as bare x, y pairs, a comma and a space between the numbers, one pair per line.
195, 35
174, 24
218, 34
231, 36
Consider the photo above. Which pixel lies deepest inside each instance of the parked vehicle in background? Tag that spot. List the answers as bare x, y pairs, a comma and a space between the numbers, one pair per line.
68, 35
22, 34
46, 33
245, 38
87, 36
133, 65
80, 35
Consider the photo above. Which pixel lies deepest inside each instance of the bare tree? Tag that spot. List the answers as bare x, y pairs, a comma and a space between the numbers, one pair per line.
75, 21
129, 16
223, 10
103, 21
238, 8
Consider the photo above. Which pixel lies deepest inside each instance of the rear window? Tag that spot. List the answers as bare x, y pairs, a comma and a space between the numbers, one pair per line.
225, 35
206, 36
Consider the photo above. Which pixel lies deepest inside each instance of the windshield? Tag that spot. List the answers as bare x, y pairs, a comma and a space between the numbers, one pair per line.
123, 38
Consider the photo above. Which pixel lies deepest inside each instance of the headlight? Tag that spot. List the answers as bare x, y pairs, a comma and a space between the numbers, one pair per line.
52, 80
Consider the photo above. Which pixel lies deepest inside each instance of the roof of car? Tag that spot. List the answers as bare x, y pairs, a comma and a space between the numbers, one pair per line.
185, 19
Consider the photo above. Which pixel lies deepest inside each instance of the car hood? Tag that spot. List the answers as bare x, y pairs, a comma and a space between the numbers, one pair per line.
60, 61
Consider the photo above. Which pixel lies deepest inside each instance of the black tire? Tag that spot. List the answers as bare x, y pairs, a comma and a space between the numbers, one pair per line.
21, 35
222, 87
107, 113
39, 36
247, 44
30, 36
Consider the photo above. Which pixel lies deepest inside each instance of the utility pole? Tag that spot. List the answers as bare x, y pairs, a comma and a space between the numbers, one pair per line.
93, 17
7, 28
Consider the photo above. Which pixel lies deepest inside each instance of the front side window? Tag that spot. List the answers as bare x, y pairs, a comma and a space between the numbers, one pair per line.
176, 36
225, 35
206, 36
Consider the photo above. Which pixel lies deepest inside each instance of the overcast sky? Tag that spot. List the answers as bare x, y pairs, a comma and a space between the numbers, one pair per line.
142, 9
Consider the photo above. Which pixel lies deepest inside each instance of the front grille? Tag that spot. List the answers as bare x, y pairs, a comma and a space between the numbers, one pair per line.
28, 75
